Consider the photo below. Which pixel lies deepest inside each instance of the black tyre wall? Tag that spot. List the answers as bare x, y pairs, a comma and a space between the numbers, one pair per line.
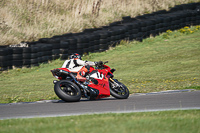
100, 39
17, 57
5, 59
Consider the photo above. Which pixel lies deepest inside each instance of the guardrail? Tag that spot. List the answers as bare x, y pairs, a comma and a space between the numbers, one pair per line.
99, 39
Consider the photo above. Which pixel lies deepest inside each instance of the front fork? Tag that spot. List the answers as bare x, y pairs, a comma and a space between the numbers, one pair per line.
117, 87
114, 83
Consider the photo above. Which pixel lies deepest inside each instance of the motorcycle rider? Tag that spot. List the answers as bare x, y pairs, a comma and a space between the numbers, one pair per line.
76, 64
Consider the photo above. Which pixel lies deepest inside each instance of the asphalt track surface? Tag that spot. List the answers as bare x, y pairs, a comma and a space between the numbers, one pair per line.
169, 100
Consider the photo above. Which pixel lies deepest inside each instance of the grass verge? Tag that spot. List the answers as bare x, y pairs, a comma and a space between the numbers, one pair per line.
143, 122
156, 64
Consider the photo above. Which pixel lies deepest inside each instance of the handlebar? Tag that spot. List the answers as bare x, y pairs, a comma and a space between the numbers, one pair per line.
100, 64
105, 62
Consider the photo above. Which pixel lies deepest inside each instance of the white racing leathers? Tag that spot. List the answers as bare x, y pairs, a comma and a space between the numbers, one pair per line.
76, 65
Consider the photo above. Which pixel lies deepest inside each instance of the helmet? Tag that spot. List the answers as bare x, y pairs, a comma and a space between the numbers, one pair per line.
75, 56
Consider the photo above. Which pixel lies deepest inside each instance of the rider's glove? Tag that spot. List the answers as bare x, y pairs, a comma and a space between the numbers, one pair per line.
100, 63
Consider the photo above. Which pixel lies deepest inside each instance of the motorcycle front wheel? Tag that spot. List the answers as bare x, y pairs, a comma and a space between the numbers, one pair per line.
67, 91
118, 90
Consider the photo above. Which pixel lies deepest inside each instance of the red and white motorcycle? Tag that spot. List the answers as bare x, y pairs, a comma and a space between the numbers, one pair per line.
100, 84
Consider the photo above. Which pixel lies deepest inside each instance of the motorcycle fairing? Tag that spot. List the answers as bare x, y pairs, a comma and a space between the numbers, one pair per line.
102, 86
97, 75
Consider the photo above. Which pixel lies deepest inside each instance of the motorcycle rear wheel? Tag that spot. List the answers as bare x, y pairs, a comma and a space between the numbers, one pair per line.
67, 91
120, 92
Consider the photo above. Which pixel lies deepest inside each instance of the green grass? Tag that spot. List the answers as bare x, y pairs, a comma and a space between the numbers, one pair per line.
144, 122
167, 62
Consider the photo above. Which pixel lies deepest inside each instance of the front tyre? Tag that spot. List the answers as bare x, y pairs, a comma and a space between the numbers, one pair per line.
67, 91
118, 89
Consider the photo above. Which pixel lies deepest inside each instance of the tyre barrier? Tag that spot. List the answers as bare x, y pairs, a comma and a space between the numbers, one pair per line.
5, 58
99, 39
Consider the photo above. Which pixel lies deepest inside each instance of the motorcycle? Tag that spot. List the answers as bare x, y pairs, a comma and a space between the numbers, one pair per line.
100, 83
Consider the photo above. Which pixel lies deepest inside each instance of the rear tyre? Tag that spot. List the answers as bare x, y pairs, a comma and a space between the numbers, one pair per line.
67, 91
118, 90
